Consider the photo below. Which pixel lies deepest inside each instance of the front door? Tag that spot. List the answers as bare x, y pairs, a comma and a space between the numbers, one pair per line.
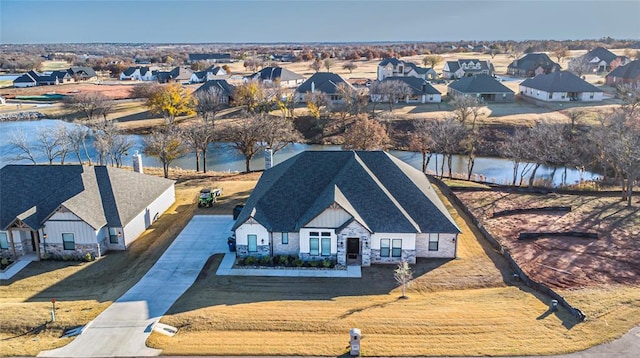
353, 247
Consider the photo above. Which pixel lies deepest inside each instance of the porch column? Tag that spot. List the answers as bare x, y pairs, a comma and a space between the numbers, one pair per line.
36, 237
341, 255
13, 246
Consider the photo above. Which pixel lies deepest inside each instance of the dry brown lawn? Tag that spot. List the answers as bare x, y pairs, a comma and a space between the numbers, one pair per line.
567, 262
466, 306
83, 290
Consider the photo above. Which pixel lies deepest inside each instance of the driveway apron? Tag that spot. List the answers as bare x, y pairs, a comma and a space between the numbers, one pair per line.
123, 328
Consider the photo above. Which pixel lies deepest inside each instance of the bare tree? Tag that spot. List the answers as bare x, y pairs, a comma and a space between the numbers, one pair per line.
421, 141
403, 275
467, 108
48, 143
579, 66
560, 53
92, 105
110, 144
208, 103
365, 134
349, 66
246, 135
78, 135
64, 143
145, 90
630, 95
316, 65
447, 136
198, 136
391, 92
278, 132
166, 144
22, 145
518, 148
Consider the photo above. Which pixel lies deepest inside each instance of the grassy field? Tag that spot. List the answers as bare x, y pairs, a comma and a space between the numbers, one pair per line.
466, 306
54, 65
83, 290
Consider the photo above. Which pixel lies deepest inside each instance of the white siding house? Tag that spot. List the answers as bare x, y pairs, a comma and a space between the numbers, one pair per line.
89, 210
561, 86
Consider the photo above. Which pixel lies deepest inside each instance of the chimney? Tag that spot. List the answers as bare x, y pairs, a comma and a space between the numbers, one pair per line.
313, 87
137, 163
268, 158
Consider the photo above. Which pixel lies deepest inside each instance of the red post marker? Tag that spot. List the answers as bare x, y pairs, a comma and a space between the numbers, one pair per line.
53, 303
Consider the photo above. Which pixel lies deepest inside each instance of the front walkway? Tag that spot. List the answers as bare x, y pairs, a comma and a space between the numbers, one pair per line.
225, 269
123, 328
17, 266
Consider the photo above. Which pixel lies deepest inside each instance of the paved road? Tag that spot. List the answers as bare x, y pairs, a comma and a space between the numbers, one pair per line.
123, 328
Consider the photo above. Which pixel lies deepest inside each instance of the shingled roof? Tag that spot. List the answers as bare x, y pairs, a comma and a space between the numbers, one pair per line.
561, 81
275, 73
630, 71
98, 195
418, 86
325, 82
222, 85
531, 61
380, 191
479, 84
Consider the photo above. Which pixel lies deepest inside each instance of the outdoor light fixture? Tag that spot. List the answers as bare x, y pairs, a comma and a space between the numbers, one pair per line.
262, 240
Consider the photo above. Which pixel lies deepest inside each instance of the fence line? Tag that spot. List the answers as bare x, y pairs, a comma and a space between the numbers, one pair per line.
505, 252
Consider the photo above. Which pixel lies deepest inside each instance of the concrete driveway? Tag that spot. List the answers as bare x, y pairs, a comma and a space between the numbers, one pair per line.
123, 328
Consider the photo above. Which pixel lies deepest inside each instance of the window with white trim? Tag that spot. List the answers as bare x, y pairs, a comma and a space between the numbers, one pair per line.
4, 241
319, 243
285, 238
396, 249
314, 246
325, 250
385, 247
68, 241
113, 235
252, 242
433, 242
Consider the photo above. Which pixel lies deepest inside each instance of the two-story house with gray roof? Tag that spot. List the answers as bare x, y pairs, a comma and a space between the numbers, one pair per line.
353, 207
467, 67
137, 73
392, 67
72, 210
276, 76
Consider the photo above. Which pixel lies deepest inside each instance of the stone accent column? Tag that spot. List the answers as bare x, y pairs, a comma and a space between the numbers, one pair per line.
242, 250
342, 250
366, 250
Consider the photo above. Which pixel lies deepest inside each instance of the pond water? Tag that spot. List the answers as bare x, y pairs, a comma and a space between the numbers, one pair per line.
222, 157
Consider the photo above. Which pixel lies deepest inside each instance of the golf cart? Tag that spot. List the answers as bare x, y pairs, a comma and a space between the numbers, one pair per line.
208, 196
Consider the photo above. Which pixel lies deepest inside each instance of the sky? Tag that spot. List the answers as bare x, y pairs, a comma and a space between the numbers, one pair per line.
266, 21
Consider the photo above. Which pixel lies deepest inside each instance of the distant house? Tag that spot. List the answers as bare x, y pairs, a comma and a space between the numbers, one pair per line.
276, 75
600, 60
532, 64
392, 67
72, 210
467, 67
137, 73
481, 86
82, 73
208, 74
561, 86
288, 57
34, 78
421, 91
178, 74
29, 79
226, 90
210, 57
325, 82
629, 73
350, 207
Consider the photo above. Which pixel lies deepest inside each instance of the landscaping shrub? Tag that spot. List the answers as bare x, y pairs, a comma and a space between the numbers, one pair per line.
249, 260
265, 260
298, 262
327, 264
313, 263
